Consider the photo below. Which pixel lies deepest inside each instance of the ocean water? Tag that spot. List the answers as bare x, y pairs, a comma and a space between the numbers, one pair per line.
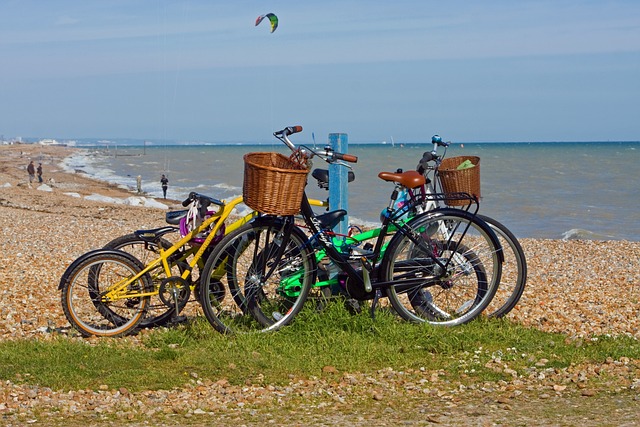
542, 190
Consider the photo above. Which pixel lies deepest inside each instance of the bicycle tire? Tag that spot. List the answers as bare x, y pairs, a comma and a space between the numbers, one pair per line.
420, 291
256, 302
158, 313
88, 278
514, 271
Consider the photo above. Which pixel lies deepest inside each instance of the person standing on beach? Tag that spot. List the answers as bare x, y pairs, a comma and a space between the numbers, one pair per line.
39, 170
31, 170
165, 183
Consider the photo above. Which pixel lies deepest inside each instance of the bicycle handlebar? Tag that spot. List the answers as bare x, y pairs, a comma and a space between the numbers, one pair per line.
289, 130
346, 157
428, 156
436, 140
327, 154
283, 135
204, 200
431, 156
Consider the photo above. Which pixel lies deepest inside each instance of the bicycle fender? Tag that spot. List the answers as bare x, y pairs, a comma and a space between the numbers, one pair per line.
82, 258
492, 235
444, 211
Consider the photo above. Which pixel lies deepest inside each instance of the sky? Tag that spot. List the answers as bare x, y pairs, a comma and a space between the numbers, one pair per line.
201, 71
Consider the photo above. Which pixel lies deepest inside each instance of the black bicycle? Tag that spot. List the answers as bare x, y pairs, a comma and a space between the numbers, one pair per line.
441, 267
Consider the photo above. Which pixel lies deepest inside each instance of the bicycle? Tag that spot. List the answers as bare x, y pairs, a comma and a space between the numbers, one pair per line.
514, 267
145, 246
96, 299
106, 292
450, 251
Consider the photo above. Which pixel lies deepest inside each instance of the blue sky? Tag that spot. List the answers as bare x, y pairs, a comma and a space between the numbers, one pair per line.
562, 70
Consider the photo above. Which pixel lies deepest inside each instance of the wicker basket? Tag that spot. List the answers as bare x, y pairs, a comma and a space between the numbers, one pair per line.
460, 181
273, 184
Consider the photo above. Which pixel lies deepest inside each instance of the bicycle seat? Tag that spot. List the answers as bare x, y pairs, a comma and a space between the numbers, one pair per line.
409, 179
322, 175
151, 235
331, 219
174, 217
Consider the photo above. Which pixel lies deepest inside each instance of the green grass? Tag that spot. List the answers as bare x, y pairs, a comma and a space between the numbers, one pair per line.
351, 343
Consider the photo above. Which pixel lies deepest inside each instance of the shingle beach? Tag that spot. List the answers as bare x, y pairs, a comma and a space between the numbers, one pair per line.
577, 288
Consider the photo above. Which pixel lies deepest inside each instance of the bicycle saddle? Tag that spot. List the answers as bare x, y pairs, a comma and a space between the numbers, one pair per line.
322, 175
409, 179
174, 217
152, 235
331, 219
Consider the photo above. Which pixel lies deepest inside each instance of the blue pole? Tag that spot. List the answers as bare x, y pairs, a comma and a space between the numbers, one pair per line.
338, 179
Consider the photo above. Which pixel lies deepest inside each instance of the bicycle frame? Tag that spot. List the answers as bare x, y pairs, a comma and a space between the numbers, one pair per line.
290, 284
119, 291
327, 245
426, 199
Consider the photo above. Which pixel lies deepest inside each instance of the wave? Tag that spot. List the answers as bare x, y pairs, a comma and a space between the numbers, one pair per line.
228, 187
552, 206
363, 223
94, 167
581, 234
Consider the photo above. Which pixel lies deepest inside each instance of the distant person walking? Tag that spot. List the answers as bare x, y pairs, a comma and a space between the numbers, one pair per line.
165, 183
31, 170
39, 171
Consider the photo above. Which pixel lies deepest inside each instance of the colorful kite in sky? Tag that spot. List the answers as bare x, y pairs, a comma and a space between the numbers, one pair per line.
273, 18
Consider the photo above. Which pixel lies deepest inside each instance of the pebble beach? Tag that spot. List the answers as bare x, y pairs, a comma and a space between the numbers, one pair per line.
580, 288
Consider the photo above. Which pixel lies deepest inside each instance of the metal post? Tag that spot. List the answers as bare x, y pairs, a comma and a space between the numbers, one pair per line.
338, 179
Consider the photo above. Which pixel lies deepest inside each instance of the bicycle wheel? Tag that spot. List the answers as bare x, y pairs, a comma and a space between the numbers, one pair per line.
267, 274
514, 271
158, 312
458, 287
85, 287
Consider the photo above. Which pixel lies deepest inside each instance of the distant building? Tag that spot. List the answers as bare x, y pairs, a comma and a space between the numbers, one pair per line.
51, 142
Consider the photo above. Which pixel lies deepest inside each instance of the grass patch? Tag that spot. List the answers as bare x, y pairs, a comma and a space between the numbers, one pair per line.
349, 343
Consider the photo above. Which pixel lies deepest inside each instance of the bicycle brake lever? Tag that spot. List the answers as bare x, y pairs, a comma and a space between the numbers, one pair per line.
341, 163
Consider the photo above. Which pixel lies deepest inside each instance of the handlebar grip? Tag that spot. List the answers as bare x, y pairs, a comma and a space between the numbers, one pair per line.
289, 130
427, 157
188, 200
346, 157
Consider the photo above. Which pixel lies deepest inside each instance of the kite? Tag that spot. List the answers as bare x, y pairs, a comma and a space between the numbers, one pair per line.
273, 18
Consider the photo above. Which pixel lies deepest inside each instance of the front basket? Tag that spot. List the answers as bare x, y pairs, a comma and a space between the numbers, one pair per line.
273, 183
455, 180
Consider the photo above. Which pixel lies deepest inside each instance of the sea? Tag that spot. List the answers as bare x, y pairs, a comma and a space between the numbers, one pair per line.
549, 190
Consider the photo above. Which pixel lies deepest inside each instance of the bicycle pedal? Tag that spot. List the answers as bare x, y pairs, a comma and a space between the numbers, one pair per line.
178, 320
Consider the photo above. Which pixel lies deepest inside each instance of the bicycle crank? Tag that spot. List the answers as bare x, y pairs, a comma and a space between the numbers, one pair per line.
174, 292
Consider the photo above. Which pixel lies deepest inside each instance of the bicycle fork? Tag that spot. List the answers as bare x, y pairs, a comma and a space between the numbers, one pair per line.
262, 270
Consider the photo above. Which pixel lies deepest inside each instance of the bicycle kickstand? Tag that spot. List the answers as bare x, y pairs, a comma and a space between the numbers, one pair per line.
376, 298
177, 318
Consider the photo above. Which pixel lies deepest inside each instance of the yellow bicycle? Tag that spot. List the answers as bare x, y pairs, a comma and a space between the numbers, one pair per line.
142, 279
